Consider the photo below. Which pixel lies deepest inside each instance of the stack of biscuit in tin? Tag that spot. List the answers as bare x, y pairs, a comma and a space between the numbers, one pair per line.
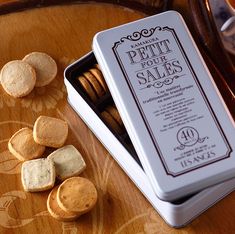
95, 87
92, 81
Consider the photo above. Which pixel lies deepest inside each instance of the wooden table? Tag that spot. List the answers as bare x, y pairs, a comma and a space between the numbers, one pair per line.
65, 32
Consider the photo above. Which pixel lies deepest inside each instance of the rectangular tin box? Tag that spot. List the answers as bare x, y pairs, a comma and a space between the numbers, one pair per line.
176, 214
174, 114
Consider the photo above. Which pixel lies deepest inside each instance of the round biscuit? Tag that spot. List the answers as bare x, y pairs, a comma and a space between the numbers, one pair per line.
54, 209
44, 65
111, 122
99, 76
87, 87
77, 194
18, 78
23, 146
114, 112
95, 83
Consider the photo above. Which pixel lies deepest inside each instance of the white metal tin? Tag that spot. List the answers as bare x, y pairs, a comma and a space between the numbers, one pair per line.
170, 106
175, 214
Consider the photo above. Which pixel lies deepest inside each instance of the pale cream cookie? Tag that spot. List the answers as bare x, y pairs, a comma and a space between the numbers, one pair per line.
68, 162
18, 78
38, 175
44, 65
77, 194
23, 146
49, 131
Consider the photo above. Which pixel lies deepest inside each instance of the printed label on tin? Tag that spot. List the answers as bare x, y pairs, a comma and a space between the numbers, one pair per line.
180, 121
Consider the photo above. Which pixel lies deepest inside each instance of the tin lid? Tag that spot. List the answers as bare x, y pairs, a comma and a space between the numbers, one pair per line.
175, 116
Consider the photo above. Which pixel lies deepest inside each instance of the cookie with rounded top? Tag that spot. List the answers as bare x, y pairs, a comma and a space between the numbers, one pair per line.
44, 65
18, 78
55, 210
77, 194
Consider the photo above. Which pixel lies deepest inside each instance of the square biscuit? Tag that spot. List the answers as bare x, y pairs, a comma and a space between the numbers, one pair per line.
38, 175
68, 162
49, 131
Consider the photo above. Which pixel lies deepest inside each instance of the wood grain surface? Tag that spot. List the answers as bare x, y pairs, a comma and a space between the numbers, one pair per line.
65, 32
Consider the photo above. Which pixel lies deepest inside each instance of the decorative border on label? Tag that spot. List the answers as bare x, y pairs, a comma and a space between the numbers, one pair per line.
147, 33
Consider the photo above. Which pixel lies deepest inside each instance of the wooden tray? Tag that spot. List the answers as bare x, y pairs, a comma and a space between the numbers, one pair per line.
65, 32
